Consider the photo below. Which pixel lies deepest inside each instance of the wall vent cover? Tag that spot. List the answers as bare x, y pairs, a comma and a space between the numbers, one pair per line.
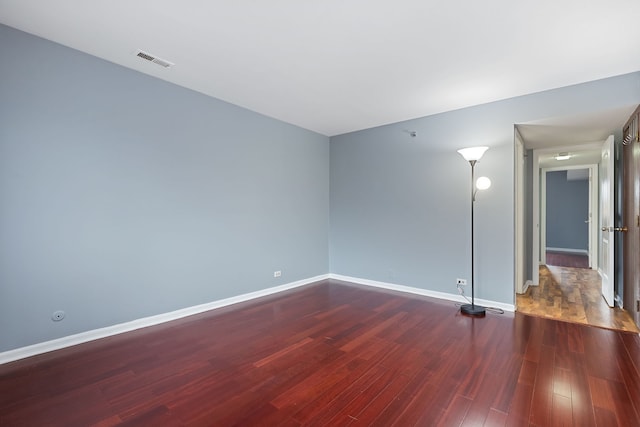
152, 58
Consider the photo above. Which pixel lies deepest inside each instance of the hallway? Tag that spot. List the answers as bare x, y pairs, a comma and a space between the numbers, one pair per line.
572, 295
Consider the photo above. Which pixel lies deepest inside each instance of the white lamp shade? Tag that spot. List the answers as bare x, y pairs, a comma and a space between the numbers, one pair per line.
483, 183
472, 153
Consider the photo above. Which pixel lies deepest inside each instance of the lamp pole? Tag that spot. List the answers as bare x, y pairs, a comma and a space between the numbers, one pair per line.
472, 155
473, 202
473, 309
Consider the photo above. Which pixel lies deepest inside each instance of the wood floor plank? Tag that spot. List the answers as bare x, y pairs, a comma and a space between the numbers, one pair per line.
328, 395
543, 389
455, 413
601, 394
340, 405
520, 410
335, 354
351, 411
499, 419
583, 409
562, 411
481, 405
528, 372
625, 407
600, 349
629, 362
606, 418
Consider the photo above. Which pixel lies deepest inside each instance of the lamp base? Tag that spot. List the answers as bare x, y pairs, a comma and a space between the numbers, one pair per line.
473, 310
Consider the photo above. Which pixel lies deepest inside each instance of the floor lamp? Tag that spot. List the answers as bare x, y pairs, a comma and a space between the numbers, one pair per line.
473, 155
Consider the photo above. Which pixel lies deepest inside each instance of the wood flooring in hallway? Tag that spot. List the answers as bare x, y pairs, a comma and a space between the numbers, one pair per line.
563, 259
572, 295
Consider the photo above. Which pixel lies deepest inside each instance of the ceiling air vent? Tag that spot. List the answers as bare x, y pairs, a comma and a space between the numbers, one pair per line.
152, 58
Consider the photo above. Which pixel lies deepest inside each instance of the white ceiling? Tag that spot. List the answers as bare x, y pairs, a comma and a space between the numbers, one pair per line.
335, 66
581, 135
574, 130
579, 157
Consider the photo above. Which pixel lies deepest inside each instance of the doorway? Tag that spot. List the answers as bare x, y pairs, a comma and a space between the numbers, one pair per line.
584, 156
568, 216
533, 141
567, 222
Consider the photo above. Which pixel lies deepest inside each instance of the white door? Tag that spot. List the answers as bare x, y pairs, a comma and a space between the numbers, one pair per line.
606, 222
592, 220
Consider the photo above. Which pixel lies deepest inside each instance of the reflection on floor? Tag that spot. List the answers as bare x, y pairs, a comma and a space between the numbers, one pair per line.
572, 295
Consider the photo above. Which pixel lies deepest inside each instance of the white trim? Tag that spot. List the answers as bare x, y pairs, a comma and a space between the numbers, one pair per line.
420, 291
594, 208
519, 199
536, 208
535, 219
592, 252
543, 215
569, 251
83, 337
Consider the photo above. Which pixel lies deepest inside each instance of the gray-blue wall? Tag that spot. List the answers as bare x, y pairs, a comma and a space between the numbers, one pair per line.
567, 208
123, 196
400, 205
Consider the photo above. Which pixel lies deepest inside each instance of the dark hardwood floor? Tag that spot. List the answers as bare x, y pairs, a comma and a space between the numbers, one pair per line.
564, 259
335, 354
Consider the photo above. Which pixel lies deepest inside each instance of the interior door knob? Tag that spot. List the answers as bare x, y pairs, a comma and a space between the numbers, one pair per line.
623, 229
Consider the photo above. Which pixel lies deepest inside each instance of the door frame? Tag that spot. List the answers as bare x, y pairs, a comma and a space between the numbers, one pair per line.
593, 210
519, 197
631, 216
607, 267
536, 257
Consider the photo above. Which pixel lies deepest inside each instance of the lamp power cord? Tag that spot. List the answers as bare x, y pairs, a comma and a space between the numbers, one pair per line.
491, 309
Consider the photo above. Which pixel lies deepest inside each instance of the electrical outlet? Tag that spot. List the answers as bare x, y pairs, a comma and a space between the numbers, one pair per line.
461, 282
277, 273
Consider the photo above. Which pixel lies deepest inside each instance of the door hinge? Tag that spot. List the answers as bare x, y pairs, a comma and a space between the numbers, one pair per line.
638, 220
638, 305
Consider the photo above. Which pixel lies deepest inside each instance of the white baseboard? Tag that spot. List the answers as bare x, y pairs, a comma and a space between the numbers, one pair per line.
71, 340
83, 337
569, 251
526, 285
420, 291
